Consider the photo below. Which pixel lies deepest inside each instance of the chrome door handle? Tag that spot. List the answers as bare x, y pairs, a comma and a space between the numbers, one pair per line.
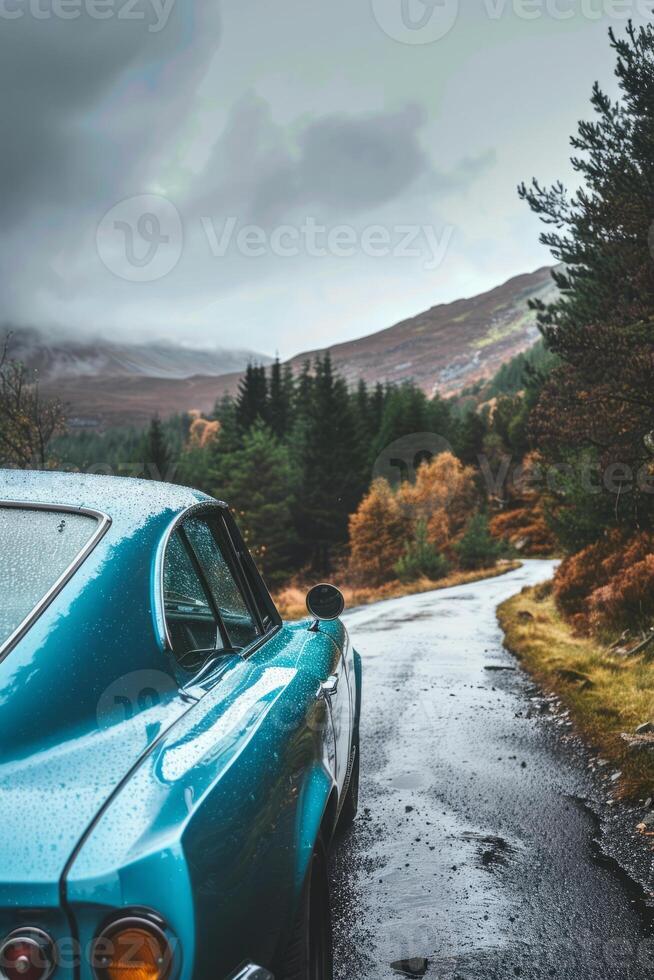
329, 687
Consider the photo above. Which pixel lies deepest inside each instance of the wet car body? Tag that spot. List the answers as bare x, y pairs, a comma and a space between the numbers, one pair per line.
129, 782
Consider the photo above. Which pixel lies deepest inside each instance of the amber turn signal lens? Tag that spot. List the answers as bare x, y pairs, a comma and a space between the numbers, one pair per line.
131, 951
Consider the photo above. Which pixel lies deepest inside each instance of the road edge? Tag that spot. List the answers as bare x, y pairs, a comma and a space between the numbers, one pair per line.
617, 841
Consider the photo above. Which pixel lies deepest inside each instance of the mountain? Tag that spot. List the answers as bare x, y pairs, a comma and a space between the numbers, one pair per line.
444, 349
451, 345
58, 359
104, 383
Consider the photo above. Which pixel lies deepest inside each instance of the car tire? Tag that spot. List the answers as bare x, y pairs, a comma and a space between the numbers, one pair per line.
351, 802
309, 953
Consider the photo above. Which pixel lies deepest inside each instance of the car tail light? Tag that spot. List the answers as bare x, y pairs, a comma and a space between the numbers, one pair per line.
133, 948
26, 954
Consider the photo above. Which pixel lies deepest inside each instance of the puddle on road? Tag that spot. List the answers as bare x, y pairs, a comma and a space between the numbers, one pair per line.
454, 598
410, 780
380, 625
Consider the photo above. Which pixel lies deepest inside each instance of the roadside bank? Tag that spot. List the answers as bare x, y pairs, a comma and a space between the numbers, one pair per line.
598, 700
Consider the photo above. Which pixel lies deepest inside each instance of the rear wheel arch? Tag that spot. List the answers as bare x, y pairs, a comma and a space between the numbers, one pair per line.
308, 953
310, 818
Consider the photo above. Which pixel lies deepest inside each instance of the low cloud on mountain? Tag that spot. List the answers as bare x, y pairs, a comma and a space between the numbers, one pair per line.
271, 117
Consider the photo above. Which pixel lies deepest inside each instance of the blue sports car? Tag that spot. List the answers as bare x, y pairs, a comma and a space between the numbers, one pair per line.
174, 759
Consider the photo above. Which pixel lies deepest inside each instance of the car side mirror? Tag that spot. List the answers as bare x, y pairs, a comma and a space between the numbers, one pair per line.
325, 602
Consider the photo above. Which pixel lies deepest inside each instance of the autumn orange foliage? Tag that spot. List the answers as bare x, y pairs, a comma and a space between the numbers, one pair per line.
525, 528
444, 496
522, 524
608, 585
576, 578
627, 600
202, 432
378, 532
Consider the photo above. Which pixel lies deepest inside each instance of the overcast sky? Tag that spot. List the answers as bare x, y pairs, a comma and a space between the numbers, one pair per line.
279, 174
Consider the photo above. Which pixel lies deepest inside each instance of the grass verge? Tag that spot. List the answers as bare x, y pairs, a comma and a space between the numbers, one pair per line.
605, 693
291, 601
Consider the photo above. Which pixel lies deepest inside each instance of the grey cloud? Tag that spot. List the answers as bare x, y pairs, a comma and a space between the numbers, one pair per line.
362, 161
69, 88
469, 169
336, 164
304, 111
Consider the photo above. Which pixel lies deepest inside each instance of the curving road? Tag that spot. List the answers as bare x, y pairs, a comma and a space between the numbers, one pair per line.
474, 848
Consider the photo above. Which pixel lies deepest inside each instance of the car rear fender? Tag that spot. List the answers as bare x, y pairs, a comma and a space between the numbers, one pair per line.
230, 802
316, 814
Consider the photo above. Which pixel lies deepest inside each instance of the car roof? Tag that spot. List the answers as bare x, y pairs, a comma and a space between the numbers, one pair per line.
115, 496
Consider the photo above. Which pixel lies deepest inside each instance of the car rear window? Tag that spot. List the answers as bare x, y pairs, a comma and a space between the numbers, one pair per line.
36, 549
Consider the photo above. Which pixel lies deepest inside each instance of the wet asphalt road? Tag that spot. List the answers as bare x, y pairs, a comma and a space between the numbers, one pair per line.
473, 847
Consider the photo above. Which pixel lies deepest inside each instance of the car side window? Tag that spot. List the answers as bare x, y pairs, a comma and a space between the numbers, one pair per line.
191, 621
221, 580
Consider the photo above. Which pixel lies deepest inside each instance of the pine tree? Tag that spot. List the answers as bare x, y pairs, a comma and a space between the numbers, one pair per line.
226, 414
602, 232
157, 454
477, 548
363, 435
252, 397
259, 482
440, 418
420, 558
326, 452
602, 326
280, 399
377, 404
220, 451
362, 408
405, 413
303, 390
469, 439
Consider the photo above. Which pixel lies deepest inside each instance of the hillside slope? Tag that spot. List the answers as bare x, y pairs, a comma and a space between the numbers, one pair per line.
451, 345
444, 349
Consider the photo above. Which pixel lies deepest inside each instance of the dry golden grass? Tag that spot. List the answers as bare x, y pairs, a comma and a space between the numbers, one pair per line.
619, 697
291, 601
